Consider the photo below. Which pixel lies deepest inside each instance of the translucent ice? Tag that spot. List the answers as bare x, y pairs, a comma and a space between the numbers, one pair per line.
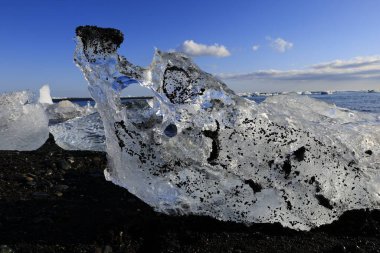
201, 149
23, 123
65, 110
81, 133
357, 131
87, 132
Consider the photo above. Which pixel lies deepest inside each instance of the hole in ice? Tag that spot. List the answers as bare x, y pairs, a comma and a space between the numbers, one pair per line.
122, 82
136, 90
170, 130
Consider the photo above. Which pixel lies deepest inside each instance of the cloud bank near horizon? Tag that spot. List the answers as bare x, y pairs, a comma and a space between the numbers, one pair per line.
359, 68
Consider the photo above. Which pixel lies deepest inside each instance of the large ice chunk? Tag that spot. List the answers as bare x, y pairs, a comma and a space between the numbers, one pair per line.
201, 149
23, 123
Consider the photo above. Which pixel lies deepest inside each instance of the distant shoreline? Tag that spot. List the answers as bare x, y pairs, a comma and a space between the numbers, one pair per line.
55, 100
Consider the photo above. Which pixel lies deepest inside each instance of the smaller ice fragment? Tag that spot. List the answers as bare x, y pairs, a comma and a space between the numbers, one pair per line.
45, 97
65, 110
23, 124
82, 133
87, 132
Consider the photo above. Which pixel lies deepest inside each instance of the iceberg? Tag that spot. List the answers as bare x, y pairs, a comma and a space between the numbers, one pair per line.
201, 149
23, 122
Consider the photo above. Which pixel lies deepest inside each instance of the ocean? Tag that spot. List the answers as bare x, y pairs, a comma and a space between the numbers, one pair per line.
353, 100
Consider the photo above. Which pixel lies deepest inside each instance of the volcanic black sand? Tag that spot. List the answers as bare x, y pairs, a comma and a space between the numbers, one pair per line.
52, 200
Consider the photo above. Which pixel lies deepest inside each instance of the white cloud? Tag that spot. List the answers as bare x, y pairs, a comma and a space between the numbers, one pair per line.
255, 47
280, 45
193, 48
359, 68
352, 63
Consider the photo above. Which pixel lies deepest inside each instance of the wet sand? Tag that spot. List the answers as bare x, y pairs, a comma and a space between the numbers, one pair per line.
52, 200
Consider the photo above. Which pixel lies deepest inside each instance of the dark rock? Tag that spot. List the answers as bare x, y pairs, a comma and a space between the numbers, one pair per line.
287, 167
40, 195
31, 183
92, 35
43, 220
5, 249
356, 249
340, 248
299, 154
63, 165
255, 186
61, 187
29, 179
70, 159
323, 201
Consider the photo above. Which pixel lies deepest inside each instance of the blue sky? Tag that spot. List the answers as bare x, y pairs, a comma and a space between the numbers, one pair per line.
300, 45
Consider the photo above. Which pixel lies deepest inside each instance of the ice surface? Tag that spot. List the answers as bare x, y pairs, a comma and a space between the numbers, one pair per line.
65, 110
357, 131
81, 133
45, 97
201, 149
87, 132
23, 123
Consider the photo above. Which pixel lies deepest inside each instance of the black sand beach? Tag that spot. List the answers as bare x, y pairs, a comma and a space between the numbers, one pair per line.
52, 200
